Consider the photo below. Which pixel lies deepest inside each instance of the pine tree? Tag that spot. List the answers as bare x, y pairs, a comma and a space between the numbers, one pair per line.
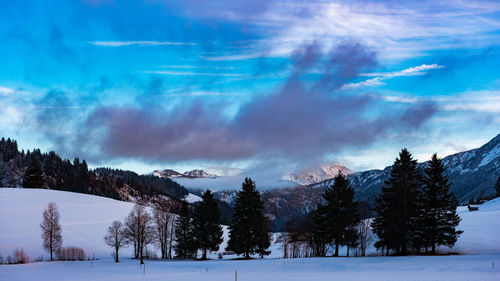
248, 230
440, 217
320, 236
263, 238
398, 208
33, 178
185, 247
341, 213
497, 187
206, 228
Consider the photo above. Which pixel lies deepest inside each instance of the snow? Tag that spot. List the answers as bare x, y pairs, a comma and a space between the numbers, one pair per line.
191, 198
493, 154
317, 174
417, 268
85, 218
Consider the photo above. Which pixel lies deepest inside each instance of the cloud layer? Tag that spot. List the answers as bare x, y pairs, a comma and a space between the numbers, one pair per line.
300, 120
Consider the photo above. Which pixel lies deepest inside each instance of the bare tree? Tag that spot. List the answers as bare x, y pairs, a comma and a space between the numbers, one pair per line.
139, 230
365, 236
162, 216
115, 237
51, 230
20, 256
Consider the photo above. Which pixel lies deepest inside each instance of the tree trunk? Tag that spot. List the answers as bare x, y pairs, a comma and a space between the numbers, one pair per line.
347, 251
336, 254
204, 256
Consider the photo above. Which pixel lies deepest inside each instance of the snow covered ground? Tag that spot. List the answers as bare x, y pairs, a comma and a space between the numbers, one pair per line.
85, 218
442, 268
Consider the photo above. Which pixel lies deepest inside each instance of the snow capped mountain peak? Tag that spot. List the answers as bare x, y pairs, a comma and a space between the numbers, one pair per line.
317, 174
167, 173
196, 173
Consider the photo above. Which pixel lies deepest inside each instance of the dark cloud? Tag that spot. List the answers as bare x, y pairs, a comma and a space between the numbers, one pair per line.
301, 121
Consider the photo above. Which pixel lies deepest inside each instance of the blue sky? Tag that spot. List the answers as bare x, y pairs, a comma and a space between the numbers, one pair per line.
256, 88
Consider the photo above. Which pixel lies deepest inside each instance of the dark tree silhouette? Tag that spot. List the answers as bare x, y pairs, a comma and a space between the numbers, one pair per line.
185, 247
248, 230
398, 208
33, 178
440, 217
206, 228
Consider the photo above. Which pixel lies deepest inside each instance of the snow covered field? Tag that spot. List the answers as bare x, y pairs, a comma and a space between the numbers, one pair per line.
85, 218
444, 268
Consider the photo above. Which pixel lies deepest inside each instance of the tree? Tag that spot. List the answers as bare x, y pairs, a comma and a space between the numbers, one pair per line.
206, 228
116, 237
365, 236
248, 230
139, 230
33, 177
185, 247
497, 187
440, 217
340, 213
320, 235
51, 230
162, 215
398, 208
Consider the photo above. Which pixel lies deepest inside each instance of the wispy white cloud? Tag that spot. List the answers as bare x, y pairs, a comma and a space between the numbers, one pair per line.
478, 101
198, 67
6, 90
182, 73
202, 94
137, 43
397, 30
381, 76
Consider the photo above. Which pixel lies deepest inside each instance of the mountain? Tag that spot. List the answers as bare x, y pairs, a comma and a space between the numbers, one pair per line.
167, 173
317, 174
472, 174
193, 174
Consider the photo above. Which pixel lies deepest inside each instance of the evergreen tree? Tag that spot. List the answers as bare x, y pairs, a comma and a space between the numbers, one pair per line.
440, 217
398, 209
497, 187
185, 247
33, 178
206, 228
320, 236
263, 238
340, 213
248, 230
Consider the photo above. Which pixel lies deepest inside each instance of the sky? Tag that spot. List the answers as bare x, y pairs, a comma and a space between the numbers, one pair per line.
249, 88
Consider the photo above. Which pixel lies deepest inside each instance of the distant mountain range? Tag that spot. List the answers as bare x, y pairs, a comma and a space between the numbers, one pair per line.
317, 174
472, 174
194, 174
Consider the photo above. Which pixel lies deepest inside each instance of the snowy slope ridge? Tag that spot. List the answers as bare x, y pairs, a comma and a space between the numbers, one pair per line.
471, 173
85, 218
317, 174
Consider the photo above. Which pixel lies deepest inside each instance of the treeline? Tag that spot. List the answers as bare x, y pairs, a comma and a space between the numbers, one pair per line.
415, 213
33, 169
191, 232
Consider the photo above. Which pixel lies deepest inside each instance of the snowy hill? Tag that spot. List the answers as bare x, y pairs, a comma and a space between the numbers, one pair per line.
317, 174
85, 218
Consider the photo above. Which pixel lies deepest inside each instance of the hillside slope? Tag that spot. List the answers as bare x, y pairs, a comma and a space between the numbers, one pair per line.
85, 218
